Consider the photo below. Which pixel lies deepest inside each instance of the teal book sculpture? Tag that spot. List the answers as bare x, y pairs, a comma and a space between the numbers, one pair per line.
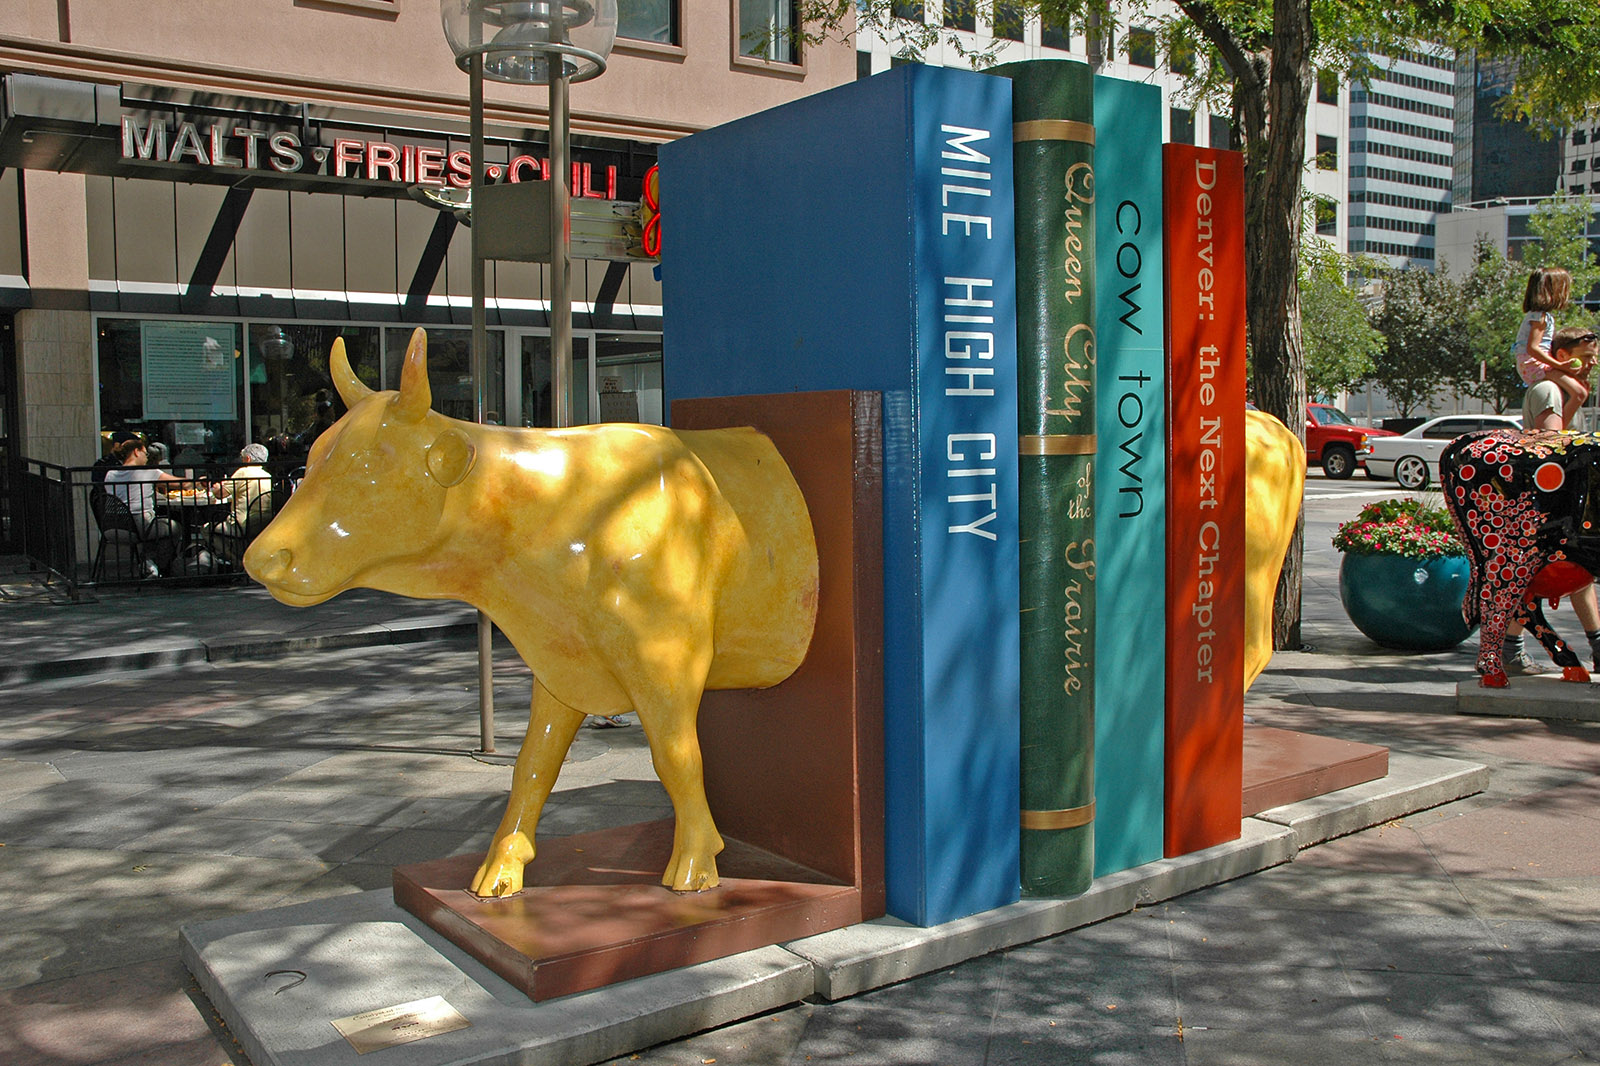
1130, 513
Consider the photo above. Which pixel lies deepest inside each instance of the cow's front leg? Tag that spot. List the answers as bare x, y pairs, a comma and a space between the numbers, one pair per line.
551, 727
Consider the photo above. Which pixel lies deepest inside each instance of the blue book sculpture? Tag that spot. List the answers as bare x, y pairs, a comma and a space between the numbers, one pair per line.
863, 239
1131, 488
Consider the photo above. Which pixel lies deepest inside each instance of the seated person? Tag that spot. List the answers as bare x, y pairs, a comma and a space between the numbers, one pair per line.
109, 460
250, 490
134, 483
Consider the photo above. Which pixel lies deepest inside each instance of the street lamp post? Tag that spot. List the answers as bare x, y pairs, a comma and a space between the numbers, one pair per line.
527, 42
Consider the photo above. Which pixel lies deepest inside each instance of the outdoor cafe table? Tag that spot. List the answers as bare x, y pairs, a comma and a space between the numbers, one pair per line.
194, 511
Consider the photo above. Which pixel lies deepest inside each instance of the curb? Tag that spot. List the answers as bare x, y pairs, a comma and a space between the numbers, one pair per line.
114, 661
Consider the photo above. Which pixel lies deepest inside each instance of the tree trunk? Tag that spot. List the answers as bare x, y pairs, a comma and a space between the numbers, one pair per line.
1275, 157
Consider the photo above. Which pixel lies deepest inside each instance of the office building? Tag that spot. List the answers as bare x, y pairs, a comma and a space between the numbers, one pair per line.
1402, 122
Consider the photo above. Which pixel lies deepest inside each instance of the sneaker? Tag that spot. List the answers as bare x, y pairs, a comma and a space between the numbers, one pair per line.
608, 721
1518, 664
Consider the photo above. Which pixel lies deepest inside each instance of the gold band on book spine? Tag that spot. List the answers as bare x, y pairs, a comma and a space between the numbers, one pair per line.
1052, 129
1070, 818
1058, 444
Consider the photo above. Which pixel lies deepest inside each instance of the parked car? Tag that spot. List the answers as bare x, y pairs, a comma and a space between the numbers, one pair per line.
1412, 458
1336, 442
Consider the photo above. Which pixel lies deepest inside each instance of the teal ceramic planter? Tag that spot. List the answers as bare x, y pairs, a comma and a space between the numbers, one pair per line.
1409, 604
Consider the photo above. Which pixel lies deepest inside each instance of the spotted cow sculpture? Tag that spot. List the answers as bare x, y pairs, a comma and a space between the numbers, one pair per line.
631, 566
1528, 507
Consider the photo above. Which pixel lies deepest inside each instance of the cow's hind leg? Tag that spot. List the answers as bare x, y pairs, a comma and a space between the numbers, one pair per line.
551, 727
1571, 668
668, 715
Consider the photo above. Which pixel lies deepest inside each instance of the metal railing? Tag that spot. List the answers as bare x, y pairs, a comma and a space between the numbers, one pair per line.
85, 534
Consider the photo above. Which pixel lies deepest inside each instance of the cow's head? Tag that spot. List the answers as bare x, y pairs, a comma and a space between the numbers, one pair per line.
368, 513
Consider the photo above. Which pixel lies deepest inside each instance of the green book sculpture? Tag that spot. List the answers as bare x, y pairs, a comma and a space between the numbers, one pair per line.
1053, 159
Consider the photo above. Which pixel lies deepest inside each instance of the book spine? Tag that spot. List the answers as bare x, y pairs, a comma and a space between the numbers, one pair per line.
964, 272
1204, 221
1130, 513
1053, 149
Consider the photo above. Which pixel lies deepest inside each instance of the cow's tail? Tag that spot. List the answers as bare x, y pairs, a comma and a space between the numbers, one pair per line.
1457, 493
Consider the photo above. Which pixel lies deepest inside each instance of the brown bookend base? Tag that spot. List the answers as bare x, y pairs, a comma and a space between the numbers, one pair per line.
1282, 766
595, 911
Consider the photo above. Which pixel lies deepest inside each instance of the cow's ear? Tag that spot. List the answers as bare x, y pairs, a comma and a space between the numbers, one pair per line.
450, 457
415, 394
352, 390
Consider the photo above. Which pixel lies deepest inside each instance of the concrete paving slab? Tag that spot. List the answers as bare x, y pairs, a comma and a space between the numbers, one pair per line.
1521, 838
405, 631
135, 1015
1414, 783
18, 776
1476, 1011
1304, 886
872, 954
361, 952
1542, 696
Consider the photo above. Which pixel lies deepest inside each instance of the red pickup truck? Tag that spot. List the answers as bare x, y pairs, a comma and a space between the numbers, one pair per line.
1335, 441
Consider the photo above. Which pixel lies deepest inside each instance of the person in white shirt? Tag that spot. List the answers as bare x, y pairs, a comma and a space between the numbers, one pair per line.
134, 483
248, 483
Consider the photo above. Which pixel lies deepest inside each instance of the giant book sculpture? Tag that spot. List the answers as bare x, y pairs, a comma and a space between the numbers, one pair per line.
862, 239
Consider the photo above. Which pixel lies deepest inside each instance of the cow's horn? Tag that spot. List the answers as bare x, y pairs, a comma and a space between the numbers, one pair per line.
415, 395
352, 390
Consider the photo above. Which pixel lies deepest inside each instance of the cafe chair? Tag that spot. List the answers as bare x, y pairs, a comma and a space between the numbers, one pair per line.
120, 554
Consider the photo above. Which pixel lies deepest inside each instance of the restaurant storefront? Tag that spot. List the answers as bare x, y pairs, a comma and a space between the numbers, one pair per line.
190, 259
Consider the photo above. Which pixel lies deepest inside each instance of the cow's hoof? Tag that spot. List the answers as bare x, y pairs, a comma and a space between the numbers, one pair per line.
1574, 673
501, 872
1498, 680
692, 876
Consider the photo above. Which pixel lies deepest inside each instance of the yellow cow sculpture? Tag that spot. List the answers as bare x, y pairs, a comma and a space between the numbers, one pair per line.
1275, 477
631, 566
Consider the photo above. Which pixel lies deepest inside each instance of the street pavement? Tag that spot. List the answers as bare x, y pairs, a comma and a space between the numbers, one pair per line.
178, 756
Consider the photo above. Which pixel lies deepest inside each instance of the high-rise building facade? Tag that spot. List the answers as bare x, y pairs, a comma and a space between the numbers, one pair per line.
1402, 127
1496, 157
1124, 46
1580, 158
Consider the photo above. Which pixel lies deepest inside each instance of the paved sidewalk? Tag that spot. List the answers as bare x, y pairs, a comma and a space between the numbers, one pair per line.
133, 801
49, 635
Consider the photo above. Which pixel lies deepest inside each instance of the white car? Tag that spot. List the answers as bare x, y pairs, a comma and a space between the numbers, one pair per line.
1413, 457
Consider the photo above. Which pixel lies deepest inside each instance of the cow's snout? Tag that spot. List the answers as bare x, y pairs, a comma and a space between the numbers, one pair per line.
269, 567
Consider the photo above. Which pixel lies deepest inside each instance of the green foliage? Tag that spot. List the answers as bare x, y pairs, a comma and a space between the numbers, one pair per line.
1492, 295
1424, 346
1341, 343
1561, 223
1404, 527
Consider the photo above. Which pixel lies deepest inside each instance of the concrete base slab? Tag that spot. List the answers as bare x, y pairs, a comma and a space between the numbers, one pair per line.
873, 954
280, 978
1541, 696
1414, 783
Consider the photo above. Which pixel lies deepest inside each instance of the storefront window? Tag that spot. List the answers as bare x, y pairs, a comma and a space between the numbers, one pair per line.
450, 371
292, 398
629, 370
177, 381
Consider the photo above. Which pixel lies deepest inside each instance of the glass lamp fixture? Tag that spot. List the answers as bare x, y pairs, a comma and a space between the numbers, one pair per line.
520, 39
275, 345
